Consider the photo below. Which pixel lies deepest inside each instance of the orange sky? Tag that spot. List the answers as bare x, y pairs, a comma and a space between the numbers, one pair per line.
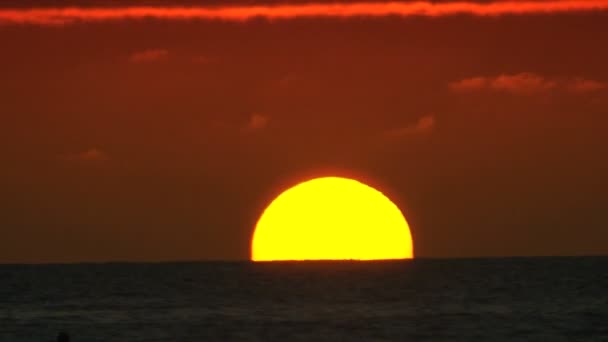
163, 139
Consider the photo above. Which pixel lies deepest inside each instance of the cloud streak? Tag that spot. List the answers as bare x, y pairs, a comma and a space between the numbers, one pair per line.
425, 124
525, 83
257, 122
70, 15
92, 155
151, 55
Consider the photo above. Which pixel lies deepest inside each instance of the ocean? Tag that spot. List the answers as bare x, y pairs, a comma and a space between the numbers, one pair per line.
510, 299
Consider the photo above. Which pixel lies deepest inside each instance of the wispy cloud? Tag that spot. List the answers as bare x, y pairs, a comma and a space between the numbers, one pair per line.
91, 155
257, 122
202, 59
423, 125
524, 83
150, 55
61, 16
469, 84
581, 85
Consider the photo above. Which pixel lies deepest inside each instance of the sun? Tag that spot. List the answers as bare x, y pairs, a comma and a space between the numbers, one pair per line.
331, 218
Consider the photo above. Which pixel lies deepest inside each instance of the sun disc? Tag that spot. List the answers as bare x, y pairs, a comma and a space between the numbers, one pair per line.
331, 218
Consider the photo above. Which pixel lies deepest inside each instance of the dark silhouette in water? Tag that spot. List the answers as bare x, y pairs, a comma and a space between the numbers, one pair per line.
63, 337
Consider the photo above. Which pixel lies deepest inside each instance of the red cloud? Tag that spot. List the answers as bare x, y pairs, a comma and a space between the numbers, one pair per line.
469, 84
525, 83
90, 155
424, 124
149, 55
581, 85
59, 16
257, 122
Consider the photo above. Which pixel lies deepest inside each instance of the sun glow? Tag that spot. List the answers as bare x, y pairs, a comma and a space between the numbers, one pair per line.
331, 218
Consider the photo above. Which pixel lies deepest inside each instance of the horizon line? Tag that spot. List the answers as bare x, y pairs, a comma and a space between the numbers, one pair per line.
248, 261
60, 16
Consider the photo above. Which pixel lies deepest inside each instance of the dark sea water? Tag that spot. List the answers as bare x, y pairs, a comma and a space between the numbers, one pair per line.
519, 299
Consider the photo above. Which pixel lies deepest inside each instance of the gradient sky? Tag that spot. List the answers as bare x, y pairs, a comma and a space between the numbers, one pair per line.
163, 137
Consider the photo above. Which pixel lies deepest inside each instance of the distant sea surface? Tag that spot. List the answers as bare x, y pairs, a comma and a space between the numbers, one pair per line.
519, 299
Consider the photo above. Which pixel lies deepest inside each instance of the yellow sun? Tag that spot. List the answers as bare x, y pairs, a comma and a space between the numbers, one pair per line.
331, 218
